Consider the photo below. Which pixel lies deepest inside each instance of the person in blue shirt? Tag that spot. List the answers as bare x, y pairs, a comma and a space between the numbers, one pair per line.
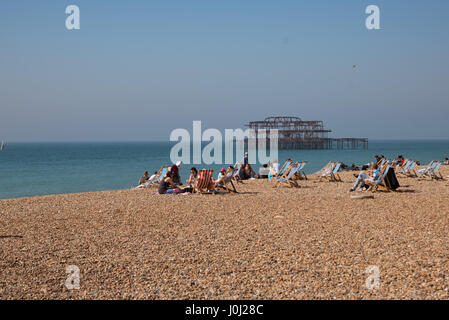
245, 160
362, 178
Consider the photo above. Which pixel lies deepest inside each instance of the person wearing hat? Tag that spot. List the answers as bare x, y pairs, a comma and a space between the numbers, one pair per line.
221, 174
175, 172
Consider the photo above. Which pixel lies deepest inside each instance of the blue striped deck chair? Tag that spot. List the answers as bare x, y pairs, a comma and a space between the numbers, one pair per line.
404, 167
161, 176
288, 178
380, 181
326, 170
410, 172
332, 174
381, 162
434, 173
427, 169
284, 168
300, 172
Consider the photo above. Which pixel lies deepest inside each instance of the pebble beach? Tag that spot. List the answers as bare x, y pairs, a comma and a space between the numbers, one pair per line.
312, 242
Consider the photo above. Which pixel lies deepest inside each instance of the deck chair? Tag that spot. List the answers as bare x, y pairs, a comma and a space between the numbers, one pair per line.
284, 168
427, 169
300, 172
381, 181
161, 175
326, 170
288, 178
381, 162
156, 180
404, 167
227, 182
333, 175
204, 183
434, 173
410, 171
236, 175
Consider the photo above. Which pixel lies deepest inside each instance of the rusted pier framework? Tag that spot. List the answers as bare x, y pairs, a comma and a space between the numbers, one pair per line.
295, 133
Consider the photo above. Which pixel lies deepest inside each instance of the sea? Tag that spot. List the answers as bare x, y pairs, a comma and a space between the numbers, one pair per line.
31, 169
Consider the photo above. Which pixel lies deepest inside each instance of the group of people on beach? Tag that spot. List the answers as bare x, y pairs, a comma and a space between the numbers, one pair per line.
171, 183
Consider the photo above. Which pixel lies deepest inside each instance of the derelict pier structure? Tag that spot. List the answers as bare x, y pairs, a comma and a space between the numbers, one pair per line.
295, 133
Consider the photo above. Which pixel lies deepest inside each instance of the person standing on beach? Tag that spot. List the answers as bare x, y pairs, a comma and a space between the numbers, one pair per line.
245, 160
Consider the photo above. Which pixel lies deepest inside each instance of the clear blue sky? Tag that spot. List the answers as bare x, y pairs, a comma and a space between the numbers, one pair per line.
138, 69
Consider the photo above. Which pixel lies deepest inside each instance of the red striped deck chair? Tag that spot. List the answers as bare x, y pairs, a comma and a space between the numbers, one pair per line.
204, 183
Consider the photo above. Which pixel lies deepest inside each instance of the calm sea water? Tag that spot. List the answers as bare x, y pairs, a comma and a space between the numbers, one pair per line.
28, 169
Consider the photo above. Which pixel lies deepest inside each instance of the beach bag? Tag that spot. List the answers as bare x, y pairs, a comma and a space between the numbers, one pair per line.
391, 179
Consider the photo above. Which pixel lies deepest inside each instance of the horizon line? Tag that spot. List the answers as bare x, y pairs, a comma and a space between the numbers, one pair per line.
165, 141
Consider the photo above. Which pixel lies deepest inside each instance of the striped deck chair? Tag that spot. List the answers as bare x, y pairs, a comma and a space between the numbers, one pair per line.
381, 181
381, 162
288, 178
325, 170
427, 169
434, 173
410, 172
204, 183
404, 167
236, 176
332, 174
283, 171
161, 176
284, 168
300, 172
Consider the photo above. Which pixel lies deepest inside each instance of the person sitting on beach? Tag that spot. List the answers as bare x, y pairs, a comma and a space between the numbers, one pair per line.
193, 176
174, 169
144, 178
274, 168
167, 185
153, 176
223, 176
243, 175
376, 159
399, 161
363, 177
264, 171
247, 173
446, 161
